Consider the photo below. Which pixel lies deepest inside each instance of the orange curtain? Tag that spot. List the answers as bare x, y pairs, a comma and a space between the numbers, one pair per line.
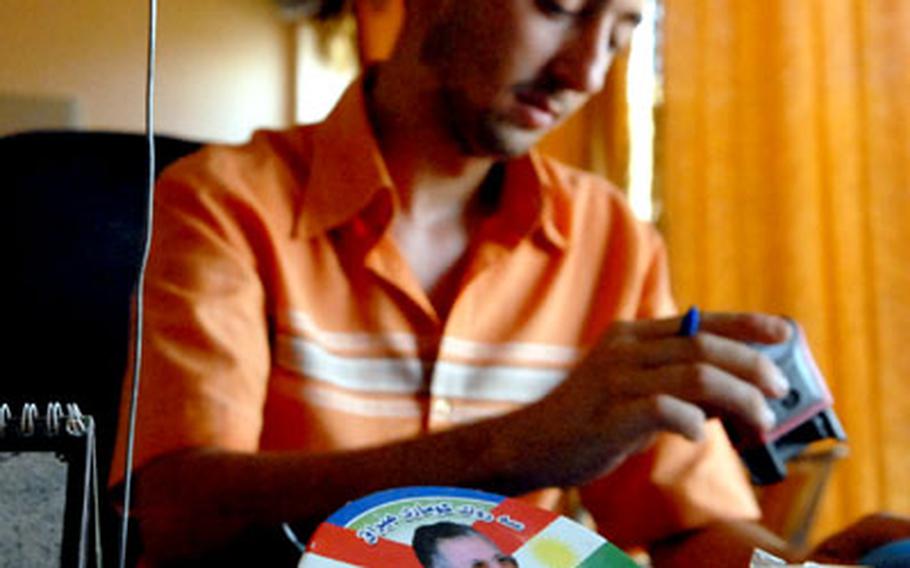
785, 168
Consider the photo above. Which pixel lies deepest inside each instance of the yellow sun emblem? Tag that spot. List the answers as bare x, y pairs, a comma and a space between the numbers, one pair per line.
553, 553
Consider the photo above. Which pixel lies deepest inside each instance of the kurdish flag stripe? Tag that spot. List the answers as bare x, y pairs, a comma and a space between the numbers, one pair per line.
342, 544
608, 556
564, 544
530, 519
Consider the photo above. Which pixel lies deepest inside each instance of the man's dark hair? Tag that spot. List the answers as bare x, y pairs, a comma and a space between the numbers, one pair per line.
426, 539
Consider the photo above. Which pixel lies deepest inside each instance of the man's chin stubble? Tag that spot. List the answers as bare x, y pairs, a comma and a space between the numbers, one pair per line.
498, 139
484, 133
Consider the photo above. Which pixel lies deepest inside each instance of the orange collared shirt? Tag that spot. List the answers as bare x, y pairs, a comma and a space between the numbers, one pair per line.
280, 314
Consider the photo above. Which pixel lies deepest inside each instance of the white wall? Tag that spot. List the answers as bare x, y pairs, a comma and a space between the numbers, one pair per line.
224, 66
327, 62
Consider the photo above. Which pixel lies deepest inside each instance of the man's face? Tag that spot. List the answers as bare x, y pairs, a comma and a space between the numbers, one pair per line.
508, 71
471, 552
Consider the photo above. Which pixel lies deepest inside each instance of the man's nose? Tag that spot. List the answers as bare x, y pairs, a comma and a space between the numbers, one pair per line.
582, 64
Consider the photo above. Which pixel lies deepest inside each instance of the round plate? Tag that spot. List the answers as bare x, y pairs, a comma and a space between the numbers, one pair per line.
462, 525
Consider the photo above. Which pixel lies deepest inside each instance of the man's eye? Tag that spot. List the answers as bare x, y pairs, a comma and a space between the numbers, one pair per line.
561, 7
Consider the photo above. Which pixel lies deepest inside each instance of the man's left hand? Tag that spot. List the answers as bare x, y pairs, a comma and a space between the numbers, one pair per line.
860, 538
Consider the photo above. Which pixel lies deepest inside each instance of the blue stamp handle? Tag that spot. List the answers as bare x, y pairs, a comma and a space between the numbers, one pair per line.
690, 322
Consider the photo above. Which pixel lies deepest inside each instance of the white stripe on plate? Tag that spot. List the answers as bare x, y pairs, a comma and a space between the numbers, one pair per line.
561, 543
312, 560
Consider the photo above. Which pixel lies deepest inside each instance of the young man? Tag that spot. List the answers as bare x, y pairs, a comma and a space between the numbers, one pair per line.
407, 294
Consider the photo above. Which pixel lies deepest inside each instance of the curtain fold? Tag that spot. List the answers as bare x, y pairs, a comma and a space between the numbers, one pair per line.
785, 168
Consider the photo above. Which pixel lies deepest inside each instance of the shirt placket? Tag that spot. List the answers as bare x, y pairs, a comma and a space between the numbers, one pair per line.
445, 409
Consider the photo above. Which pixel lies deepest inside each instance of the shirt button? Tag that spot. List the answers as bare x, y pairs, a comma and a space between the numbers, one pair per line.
442, 407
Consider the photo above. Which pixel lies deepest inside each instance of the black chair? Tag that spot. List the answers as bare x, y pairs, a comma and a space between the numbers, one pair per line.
80, 213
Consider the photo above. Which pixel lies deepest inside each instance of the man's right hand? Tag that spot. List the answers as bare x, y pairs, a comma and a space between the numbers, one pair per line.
642, 378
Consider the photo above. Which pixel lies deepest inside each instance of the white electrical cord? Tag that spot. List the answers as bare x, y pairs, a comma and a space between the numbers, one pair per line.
140, 283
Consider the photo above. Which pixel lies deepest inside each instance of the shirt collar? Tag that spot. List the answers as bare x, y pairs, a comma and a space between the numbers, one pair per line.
346, 171
535, 200
348, 174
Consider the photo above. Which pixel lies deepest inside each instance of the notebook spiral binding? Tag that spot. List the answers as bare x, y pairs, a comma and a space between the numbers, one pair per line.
31, 423
70, 435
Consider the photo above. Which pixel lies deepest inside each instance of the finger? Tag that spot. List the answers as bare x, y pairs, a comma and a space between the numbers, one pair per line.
751, 327
748, 327
734, 357
663, 412
711, 388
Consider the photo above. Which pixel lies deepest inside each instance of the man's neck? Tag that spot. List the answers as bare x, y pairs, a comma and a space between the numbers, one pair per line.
433, 176
442, 192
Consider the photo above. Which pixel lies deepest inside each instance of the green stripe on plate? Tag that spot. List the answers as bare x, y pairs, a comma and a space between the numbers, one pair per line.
608, 556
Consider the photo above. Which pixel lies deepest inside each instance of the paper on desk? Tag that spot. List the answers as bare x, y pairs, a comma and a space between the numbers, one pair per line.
764, 559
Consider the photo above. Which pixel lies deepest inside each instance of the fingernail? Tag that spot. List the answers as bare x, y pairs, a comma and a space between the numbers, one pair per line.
781, 384
768, 418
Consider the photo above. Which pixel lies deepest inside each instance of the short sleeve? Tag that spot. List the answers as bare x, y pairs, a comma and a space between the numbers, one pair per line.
205, 360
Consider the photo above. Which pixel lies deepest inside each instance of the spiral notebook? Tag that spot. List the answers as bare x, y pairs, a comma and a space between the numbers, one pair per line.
47, 487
